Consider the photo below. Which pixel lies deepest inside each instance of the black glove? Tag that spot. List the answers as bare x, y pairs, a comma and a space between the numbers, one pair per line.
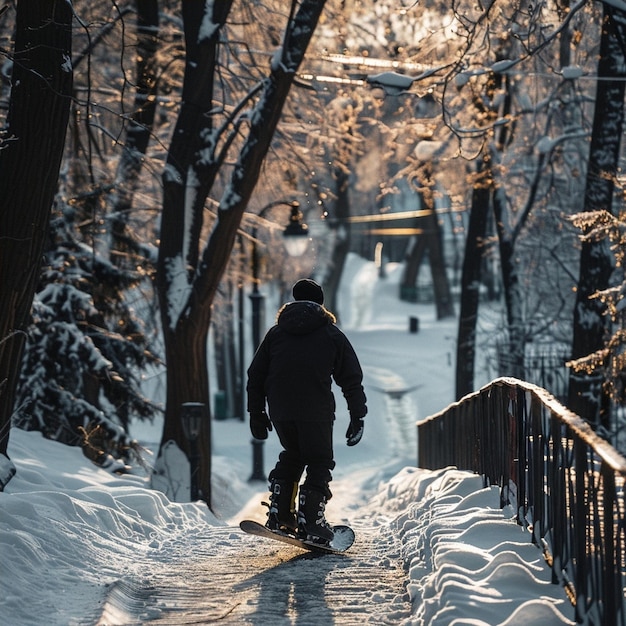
259, 425
355, 430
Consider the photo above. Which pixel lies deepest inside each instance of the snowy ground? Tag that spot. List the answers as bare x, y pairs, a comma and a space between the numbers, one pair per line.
81, 546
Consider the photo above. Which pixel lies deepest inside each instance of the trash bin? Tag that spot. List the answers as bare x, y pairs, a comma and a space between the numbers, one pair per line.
414, 324
220, 405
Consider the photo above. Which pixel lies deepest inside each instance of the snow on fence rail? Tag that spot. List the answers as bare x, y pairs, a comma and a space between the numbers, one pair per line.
566, 482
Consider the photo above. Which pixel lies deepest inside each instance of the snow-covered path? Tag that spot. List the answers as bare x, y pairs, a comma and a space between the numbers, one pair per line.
224, 575
82, 547
221, 574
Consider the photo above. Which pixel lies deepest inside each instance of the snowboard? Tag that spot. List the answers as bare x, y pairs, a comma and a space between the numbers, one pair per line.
343, 539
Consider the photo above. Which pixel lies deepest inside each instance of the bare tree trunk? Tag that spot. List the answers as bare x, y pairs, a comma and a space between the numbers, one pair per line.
585, 395
233, 386
507, 238
187, 281
482, 202
413, 262
342, 241
140, 126
29, 168
186, 325
430, 240
471, 279
441, 285
512, 295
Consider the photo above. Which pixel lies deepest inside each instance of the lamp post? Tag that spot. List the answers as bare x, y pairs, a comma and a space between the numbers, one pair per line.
296, 234
192, 415
295, 237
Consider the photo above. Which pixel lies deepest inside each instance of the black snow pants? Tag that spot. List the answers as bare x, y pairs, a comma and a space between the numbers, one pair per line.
307, 445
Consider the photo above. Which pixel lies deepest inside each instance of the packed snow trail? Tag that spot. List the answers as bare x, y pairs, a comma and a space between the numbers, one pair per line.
227, 576
224, 575
83, 547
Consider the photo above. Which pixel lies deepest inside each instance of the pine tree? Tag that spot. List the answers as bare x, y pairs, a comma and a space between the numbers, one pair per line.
80, 379
607, 364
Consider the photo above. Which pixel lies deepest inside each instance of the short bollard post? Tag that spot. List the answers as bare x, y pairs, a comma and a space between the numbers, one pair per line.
257, 460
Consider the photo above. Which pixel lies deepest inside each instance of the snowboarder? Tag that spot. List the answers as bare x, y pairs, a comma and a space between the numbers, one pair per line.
293, 370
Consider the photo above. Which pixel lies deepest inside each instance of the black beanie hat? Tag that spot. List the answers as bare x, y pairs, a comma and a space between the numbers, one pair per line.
307, 289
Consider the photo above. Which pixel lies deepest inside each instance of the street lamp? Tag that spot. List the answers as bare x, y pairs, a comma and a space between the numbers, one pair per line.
296, 238
192, 415
296, 235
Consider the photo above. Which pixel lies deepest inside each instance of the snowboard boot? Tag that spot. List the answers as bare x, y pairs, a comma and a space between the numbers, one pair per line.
282, 506
312, 524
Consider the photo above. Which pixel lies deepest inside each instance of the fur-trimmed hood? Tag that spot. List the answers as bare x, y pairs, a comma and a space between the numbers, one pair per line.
303, 316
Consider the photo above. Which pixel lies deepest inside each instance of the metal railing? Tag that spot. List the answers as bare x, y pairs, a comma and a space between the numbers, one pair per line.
566, 483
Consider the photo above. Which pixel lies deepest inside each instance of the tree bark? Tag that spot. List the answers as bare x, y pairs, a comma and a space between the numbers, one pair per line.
186, 326
471, 280
342, 241
512, 294
585, 395
441, 285
30, 159
187, 281
412, 264
140, 126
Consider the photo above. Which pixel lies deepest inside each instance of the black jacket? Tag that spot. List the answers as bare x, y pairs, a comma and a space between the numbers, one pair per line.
295, 364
